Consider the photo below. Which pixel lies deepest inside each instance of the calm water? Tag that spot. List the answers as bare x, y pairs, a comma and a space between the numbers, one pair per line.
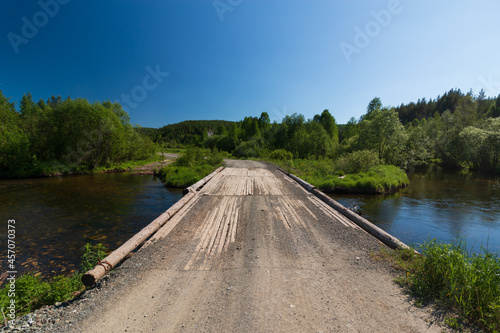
440, 205
56, 216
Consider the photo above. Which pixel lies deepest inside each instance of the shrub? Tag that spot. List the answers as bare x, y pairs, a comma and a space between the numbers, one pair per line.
191, 166
281, 154
248, 149
358, 161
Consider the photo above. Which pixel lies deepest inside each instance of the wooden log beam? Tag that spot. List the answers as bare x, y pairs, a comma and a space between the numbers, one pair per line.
197, 186
366, 225
92, 276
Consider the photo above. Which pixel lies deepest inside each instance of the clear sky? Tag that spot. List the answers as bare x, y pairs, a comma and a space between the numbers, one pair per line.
169, 61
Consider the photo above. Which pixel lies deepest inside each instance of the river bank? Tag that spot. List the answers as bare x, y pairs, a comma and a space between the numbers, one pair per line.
325, 175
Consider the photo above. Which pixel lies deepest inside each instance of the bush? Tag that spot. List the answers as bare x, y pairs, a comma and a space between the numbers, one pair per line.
358, 161
191, 166
248, 149
281, 154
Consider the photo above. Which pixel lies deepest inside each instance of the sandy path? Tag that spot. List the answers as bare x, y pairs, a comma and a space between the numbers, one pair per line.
255, 253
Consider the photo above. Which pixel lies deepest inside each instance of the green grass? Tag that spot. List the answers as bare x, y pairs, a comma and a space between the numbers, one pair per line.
190, 167
378, 179
32, 292
129, 165
456, 278
173, 150
323, 174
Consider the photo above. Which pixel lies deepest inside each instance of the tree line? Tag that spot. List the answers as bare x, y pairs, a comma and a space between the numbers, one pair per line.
70, 135
457, 129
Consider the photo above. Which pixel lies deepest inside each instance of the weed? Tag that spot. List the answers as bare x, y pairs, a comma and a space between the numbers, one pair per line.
32, 292
91, 256
454, 277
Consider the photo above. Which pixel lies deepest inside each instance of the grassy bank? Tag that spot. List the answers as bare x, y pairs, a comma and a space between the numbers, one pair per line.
466, 283
32, 292
191, 166
48, 169
330, 177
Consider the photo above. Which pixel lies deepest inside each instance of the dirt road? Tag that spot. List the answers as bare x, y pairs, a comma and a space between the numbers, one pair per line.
253, 252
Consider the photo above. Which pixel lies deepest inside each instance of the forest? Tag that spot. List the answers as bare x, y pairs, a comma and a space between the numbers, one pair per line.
66, 136
457, 130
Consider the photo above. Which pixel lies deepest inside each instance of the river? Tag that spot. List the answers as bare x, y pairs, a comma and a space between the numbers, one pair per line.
438, 204
55, 217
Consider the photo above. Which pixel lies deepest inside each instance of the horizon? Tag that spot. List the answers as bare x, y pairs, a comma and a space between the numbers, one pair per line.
243, 58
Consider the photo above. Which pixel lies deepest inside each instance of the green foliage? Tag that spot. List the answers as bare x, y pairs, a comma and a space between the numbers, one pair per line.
248, 149
188, 133
91, 256
463, 280
32, 292
13, 139
382, 131
480, 147
190, 167
325, 174
66, 136
378, 179
281, 154
358, 161
454, 277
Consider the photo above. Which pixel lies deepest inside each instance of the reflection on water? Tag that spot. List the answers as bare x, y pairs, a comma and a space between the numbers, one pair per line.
56, 216
440, 205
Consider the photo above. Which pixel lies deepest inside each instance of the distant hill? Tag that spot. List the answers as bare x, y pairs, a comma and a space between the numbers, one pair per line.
189, 132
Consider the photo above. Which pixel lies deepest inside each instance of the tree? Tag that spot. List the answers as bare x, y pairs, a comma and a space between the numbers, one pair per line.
328, 122
264, 121
374, 105
13, 140
383, 132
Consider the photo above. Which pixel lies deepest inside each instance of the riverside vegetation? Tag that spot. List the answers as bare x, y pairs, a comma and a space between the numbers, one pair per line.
456, 130
32, 292
67, 136
466, 283
191, 166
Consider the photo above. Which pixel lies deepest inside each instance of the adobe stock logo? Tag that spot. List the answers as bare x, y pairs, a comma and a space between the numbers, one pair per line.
138, 94
29, 29
491, 86
373, 28
221, 7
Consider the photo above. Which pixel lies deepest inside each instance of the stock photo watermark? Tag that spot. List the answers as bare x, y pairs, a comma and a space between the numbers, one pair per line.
223, 6
363, 36
10, 311
277, 115
30, 28
139, 93
489, 85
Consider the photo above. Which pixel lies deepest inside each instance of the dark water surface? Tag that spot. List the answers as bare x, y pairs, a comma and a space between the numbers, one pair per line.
56, 216
438, 204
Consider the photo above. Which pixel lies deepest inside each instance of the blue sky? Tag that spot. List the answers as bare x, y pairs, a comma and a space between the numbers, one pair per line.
227, 59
